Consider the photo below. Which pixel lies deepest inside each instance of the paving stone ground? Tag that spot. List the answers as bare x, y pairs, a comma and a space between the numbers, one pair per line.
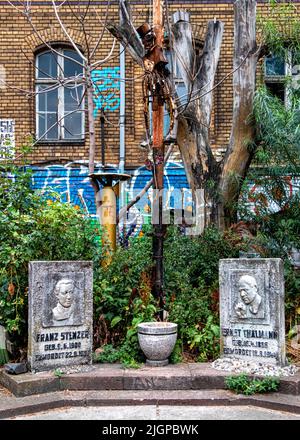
11, 406
162, 412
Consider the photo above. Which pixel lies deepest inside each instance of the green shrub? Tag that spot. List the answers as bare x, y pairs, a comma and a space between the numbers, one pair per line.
123, 298
176, 355
243, 384
34, 228
191, 285
124, 354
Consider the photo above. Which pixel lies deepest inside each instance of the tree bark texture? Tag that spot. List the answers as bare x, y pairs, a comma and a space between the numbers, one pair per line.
221, 182
126, 34
193, 130
239, 154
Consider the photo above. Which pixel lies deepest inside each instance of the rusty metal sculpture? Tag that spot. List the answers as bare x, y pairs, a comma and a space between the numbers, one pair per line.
156, 83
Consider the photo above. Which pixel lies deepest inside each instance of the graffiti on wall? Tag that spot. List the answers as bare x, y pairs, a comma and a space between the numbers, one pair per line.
7, 139
106, 89
176, 195
72, 184
274, 198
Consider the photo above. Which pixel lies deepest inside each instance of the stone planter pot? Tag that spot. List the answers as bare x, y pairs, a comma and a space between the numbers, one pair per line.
157, 340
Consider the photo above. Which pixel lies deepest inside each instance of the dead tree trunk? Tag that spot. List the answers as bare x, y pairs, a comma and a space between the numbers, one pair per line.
239, 154
219, 182
193, 130
126, 33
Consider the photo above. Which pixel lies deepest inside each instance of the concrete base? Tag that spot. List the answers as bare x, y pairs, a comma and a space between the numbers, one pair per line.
198, 376
157, 363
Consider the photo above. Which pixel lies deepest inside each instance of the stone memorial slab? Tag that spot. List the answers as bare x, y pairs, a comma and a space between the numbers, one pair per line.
60, 309
2, 338
252, 310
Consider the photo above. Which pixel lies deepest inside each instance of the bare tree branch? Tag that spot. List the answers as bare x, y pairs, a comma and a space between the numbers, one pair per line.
103, 28
55, 8
126, 34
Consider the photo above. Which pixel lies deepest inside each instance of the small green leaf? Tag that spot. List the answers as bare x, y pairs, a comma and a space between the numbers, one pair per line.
115, 321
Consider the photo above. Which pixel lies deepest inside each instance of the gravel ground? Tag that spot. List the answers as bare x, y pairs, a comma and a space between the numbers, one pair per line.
250, 367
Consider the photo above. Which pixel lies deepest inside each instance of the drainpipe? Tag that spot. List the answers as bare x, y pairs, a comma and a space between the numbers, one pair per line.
122, 199
122, 110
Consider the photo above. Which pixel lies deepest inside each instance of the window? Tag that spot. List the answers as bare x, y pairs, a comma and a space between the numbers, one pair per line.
59, 96
179, 86
277, 70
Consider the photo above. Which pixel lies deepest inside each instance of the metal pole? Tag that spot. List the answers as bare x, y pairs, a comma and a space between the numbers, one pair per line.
122, 199
108, 217
122, 109
158, 169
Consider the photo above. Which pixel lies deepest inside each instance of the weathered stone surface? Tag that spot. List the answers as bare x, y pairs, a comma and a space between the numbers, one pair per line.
171, 377
195, 377
60, 314
17, 368
252, 310
28, 384
3, 349
99, 379
2, 338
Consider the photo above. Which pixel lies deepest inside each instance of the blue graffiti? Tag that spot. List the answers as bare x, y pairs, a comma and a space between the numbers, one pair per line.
71, 184
175, 182
107, 87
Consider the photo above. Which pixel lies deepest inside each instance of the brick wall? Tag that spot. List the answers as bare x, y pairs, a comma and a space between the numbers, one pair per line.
18, 43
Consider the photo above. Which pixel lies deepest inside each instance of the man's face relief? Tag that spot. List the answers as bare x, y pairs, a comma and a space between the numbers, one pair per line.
247, 292
65, 295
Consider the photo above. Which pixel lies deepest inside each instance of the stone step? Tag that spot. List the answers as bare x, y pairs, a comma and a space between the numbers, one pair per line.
198, 376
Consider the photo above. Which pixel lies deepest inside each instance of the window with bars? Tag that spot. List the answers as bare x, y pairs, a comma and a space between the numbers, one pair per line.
59, 95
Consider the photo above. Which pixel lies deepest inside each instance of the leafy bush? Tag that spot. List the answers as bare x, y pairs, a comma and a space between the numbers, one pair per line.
34, 228
279, 29
123, 298
191, 285
124, 354
243, 384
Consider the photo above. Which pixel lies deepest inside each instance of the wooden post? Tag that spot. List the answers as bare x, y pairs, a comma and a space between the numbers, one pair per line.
158, 171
